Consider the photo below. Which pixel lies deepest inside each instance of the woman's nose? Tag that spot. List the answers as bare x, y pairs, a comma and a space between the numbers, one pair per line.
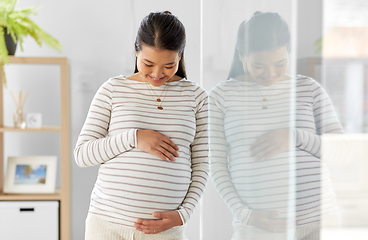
157, 73
269, 72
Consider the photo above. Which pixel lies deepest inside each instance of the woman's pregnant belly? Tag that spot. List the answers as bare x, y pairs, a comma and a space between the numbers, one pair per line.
269, 185
136, 184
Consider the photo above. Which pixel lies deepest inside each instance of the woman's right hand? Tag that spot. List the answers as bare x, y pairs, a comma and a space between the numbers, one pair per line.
157, 144
265, 220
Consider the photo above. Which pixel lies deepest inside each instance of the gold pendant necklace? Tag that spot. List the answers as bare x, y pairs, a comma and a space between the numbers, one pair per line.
263, 98
158, 98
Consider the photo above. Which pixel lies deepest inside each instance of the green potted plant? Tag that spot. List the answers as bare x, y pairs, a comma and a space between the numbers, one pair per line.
17, 25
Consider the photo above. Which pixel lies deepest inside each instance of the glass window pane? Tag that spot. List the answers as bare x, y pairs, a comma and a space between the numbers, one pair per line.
287, 153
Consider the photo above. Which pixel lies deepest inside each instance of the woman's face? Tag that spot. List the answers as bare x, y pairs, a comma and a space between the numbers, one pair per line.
266, 67
157, 66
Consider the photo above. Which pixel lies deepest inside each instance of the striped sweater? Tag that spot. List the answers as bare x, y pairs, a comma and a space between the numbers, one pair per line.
237, 120
133, 184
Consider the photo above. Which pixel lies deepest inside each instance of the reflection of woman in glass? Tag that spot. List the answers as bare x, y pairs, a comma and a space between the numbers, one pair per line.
148, 134
255, 132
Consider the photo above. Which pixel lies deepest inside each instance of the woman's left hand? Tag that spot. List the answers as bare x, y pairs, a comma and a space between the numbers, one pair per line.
167, 220
270, 144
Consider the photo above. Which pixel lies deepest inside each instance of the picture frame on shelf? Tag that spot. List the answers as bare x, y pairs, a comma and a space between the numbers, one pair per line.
34, 120
30, 174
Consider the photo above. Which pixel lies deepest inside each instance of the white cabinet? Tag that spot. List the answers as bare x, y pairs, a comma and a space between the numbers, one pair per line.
34, 220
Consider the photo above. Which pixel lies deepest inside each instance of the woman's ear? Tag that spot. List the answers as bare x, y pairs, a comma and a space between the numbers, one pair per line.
239, 55
136, 53
242, 58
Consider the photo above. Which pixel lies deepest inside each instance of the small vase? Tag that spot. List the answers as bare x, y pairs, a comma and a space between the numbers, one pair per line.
10, 44
19, 120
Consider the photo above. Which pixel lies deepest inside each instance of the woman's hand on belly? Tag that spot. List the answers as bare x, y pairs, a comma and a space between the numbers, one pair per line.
167, 220
157, 144
270, 144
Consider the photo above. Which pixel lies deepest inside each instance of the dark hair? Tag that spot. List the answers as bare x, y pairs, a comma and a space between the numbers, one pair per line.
264, 31
164, 31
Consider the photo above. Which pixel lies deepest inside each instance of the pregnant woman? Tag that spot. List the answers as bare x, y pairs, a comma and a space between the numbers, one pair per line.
148, 133
265, 139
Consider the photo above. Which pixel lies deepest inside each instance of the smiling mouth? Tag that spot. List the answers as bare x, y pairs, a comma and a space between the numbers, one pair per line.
156, 79
270, 79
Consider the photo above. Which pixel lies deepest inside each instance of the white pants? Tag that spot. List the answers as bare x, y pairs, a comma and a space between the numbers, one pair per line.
100, 229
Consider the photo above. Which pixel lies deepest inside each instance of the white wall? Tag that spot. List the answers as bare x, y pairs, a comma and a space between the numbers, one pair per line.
310, 24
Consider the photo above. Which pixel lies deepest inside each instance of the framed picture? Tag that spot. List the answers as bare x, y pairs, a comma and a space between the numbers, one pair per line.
34, 120
31, 174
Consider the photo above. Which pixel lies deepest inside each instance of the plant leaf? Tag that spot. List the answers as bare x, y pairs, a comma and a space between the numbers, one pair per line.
19, 25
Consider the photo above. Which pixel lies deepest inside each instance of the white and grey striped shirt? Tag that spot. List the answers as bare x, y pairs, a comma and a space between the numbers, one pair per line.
133, 184
237, 120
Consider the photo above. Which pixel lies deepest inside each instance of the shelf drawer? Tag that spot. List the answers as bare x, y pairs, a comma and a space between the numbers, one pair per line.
33, 220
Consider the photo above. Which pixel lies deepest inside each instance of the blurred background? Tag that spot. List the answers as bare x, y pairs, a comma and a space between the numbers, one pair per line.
330, 39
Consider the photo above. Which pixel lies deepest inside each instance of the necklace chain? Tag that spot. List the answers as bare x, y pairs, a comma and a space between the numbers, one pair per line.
158, 99
263, 99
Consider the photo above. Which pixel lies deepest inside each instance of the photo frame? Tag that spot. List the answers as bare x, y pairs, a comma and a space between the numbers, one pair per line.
34, 120
30, 174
